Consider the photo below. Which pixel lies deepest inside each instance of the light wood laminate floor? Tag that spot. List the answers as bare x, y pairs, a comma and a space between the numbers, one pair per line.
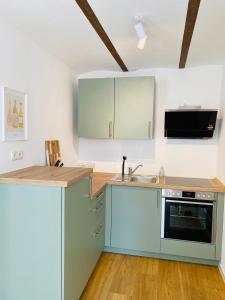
123, 277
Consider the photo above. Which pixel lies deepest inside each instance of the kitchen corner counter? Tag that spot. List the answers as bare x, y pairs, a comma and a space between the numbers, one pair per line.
49, 176
100, 180
67, 176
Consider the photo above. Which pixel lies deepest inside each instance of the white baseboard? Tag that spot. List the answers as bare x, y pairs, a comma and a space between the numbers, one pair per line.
222, 272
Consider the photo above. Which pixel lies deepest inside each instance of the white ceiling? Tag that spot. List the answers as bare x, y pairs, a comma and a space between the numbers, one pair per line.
60, 27
208, 41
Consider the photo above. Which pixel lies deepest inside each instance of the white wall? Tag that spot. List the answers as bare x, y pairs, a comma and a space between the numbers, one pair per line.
221, 161
221, 144
49, 85
174, 87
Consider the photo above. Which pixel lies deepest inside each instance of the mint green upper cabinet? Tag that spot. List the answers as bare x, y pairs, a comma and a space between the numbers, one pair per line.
135, 223
96, 108
120, 108
134, 108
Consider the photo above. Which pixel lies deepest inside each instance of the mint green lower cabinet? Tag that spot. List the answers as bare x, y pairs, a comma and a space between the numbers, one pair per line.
188, 249
83, 236
195, 249
98, 231
219, 224
77, 239
133, 217
51, 239
108, 215
135, 221
30, 250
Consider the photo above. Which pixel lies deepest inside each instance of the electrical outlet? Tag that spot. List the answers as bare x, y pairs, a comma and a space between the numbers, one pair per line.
16, 155
20, 155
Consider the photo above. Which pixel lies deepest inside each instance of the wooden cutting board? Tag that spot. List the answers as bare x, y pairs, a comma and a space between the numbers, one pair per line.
52, 152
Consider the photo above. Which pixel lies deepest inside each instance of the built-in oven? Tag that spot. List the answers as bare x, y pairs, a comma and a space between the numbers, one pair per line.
188, 215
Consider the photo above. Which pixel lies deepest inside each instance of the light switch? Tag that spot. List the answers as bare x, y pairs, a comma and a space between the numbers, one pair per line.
13, 155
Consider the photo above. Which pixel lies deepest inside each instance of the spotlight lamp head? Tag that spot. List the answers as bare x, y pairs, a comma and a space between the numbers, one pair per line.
142, 36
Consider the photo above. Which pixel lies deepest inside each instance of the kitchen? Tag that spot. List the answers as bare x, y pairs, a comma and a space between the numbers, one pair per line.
53, 114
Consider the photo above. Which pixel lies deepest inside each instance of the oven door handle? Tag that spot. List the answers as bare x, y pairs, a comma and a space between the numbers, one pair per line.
190, 202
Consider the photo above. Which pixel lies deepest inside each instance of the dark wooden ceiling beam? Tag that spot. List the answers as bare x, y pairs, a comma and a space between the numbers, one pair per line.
192, 13
90, 15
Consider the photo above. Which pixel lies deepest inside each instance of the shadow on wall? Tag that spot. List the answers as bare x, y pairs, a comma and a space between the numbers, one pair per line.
219, 125
75, 117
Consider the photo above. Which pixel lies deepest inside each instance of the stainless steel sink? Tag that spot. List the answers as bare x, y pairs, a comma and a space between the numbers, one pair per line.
147, 179
137, 178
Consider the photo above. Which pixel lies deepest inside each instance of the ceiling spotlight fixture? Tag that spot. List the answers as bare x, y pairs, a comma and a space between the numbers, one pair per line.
142, 37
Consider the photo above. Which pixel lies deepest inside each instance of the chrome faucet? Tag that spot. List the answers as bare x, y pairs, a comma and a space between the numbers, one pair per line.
131, 171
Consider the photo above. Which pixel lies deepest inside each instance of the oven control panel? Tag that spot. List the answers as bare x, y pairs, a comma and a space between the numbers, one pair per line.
172, 193
188, 194
205, 195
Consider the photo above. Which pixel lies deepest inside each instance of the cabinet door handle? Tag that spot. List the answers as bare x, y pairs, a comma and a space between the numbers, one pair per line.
97, 207
110, 129
158, 199
97, 233
90, 187
149, 129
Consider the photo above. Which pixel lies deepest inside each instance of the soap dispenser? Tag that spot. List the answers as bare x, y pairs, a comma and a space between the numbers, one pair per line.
161, 172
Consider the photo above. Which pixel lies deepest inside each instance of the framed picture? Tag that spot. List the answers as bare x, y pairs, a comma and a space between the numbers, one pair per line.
14, 115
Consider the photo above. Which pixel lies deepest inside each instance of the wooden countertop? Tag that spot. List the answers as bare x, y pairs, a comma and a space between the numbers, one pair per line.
66, 176
99, 181
50, 176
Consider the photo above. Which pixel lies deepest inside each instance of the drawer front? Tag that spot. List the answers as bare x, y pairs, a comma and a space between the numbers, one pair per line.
99, 231
99, 207
100, 210
98, 226
98, 222
100, 237
97, 242
188, 249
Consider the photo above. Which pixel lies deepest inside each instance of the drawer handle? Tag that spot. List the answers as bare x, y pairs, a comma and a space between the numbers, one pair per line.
99, 230
110, 129
100, 195
97, 208
90, 185
149, 129
97, 233
158, 199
